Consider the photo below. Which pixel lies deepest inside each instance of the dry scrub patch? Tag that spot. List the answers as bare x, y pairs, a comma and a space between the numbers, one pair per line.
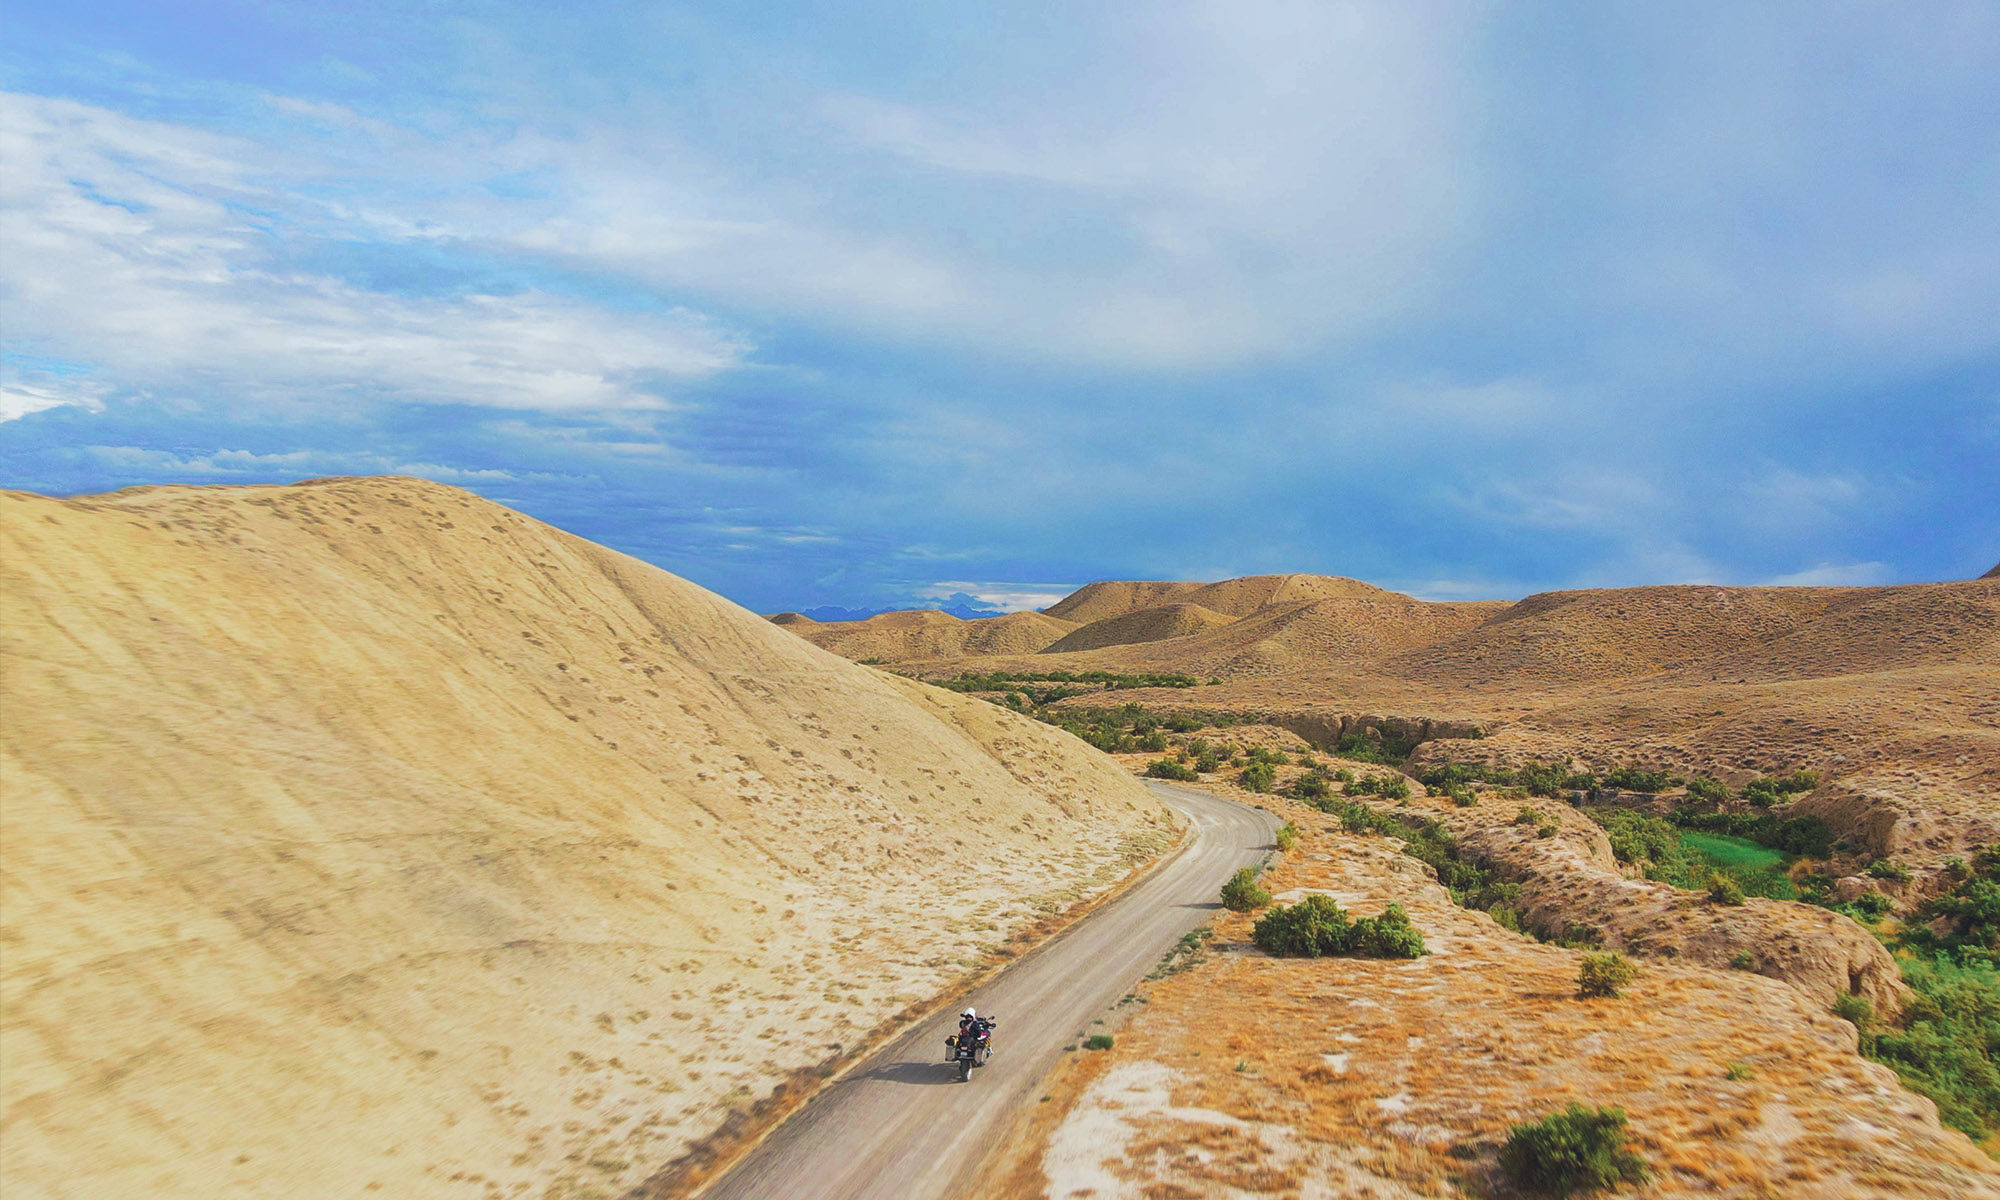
1248, 1075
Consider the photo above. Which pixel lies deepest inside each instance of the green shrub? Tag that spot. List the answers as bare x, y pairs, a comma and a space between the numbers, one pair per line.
1312, 928
1258, 777
1288, 836
1948, 1046
1888, 868
1464, 797
1167, 768
1317, 927
1855, 1009
1871, 906
1723, 889
1310, 786
1640, 779
1577, 936
1389, 751
1708, 791
1389, 787
1528, 816
1604, 974
1099, 1041
1742, 960
1577, 1149
1738, 1072
1447, 776
1242, 892
1389, 935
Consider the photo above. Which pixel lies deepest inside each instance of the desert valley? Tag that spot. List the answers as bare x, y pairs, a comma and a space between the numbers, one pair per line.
1560, 765
367, 837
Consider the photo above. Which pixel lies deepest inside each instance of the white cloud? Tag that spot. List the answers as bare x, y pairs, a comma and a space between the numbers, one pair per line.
21, 396
222, 464
141, 248
1781, 502
1860, 574
1007, 597
1225, 182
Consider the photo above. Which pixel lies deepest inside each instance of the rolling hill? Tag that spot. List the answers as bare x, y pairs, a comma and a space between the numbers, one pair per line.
366, 836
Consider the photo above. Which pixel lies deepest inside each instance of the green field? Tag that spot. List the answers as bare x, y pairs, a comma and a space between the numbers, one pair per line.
1759, 869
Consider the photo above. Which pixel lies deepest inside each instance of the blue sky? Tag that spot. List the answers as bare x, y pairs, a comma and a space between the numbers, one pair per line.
874, 304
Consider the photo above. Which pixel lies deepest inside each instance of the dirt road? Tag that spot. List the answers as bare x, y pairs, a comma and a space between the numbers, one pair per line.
901, 1126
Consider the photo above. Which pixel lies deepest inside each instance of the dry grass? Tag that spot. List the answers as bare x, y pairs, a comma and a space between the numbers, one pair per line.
1370, 1078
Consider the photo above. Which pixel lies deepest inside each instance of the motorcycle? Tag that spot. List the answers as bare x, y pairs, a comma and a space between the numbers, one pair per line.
971, 1049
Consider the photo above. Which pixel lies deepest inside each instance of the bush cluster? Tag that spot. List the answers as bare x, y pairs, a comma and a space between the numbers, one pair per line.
1258, 777
1167, 768
1641, 779
1766, 791
1243, 893
1948, 1047
1313, 785
1604, 974
1317, 927
1723, 889
1574, 1150
1000, 681
1888, 868
1389, 787
1385, 750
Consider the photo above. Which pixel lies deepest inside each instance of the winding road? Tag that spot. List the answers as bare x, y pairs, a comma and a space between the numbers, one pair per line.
901, 1127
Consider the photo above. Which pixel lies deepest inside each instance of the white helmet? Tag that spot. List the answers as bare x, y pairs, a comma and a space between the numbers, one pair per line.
967, 1013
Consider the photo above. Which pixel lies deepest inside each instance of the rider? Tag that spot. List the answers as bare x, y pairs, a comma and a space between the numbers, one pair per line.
972, 1025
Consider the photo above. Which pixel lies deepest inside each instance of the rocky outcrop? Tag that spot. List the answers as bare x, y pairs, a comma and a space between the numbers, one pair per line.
1571, 878
1891, 827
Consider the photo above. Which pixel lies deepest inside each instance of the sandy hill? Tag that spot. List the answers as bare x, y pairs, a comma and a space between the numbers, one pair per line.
792, 618
1230, 597
1337, 631
365, 837
1616, 633
1145, 625
1116, 597
929, 634
1888, 692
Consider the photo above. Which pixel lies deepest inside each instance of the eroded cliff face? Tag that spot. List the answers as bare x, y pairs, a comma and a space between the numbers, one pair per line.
1572, 878
366, 834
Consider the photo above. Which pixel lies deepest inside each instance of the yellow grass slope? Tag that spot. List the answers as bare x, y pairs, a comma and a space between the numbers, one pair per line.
1230, 597
1145, 625
365, 837
925, 633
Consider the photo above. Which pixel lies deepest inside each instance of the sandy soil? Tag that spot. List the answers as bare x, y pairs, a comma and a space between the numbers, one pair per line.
364, 837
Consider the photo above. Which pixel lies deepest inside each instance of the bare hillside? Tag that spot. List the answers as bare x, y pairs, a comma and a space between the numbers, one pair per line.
365, 837
927, 634
1892, 694
1145, 625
